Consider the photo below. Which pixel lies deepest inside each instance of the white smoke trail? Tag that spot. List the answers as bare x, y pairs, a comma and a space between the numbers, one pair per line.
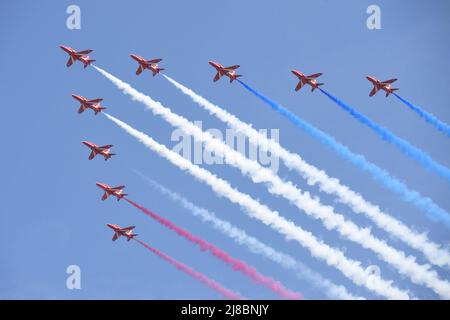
333, 257
419, 241
406, 265
302, 271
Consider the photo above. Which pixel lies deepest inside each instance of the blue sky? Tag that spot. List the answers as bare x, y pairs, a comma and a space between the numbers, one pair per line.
51, 212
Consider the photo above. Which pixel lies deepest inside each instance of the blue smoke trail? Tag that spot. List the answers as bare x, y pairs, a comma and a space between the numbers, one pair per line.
411, 151
432, 210
441, 126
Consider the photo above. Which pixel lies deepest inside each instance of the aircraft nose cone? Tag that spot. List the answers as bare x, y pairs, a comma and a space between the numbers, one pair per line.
85, 143
212, 63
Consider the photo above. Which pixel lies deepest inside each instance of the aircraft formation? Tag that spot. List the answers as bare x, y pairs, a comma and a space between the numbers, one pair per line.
220, 71
229, 72
152, 65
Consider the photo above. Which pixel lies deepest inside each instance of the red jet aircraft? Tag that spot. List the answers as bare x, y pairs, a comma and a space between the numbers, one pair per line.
115, 191
118, 231
80, 56
311, 80
95, 149
89, 104
147, 64
383, 85
230, 72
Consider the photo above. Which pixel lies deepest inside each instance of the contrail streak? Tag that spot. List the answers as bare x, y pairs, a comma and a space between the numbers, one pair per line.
432, 210
313, 176
193, 273
440, 125
406, 265
236, 264
333, 257
286, 261
413, 152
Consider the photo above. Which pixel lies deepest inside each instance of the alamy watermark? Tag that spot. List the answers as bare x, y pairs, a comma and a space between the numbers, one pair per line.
74, 19
195, 152
73, 281
373, 22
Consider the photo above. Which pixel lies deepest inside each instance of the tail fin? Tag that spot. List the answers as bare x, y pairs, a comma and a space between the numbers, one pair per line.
131, 236
109, 156
235, 77
88, 62
388, 92
99, 110
158, 70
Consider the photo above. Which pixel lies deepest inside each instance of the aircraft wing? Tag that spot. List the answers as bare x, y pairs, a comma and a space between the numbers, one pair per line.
115, 236
139, 70
69, 62
233, 67
118, 188
105, 196
108, 146
374, 90
91, 155
315, 75
129, 228
153, 60
299, 85
390, 81
81, 109
96, 100
84, 52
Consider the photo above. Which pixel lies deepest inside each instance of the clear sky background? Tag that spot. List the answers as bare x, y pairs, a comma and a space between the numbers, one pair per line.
51, 213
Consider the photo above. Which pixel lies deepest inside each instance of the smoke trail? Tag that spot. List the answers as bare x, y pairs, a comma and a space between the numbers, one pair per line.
432, 210
440, 125
195, 274
332, 290
314, 176
406, 265
333, 257
236, 264
408, 149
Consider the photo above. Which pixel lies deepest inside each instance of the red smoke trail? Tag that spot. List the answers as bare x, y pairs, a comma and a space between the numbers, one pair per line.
234, 263
195, 274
